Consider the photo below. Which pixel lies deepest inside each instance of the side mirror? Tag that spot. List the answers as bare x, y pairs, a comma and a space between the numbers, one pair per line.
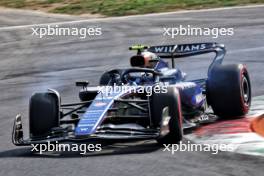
82, 83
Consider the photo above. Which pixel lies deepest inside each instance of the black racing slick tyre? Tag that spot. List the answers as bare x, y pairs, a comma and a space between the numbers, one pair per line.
170, 101
105, 78
111, 77
43, 113
229, 90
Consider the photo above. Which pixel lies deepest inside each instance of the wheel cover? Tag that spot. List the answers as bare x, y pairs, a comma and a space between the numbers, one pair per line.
245, 90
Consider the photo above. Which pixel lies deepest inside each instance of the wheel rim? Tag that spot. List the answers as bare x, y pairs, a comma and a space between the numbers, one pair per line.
165, 121
245, 90
165, 116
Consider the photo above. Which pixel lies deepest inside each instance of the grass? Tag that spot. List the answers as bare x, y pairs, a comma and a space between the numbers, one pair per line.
120, 7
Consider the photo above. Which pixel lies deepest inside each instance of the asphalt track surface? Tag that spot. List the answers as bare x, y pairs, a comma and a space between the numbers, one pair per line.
29, 64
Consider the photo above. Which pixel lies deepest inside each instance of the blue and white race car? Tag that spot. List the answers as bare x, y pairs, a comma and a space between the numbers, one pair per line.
149, 100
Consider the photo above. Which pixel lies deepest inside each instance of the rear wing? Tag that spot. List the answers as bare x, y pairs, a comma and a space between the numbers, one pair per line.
185, 50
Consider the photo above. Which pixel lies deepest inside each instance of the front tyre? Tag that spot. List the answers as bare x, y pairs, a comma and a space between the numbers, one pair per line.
167, 105
43, 114
110, 78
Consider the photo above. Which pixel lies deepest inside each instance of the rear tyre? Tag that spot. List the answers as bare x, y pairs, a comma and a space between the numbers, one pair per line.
229, 90
171, 101
43, 113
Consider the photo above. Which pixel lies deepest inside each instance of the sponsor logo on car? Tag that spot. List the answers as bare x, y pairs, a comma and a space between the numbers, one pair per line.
185, 85
83, 129
100, 104
165, 49
189, 48
179, 48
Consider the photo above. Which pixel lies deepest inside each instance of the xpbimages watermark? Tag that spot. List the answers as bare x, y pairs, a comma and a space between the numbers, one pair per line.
190, 147
189, 30
117, 89
57, 147
56, 30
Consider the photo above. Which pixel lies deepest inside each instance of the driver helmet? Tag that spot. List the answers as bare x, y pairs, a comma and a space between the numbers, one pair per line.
150, 58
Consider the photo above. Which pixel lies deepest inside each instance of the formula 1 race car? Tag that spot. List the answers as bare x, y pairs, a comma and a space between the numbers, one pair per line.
155, 101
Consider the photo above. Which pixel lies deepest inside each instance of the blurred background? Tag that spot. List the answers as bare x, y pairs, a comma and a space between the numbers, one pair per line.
119, 7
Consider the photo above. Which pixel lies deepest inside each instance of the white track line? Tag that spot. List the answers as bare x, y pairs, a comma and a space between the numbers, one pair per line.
132, 16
